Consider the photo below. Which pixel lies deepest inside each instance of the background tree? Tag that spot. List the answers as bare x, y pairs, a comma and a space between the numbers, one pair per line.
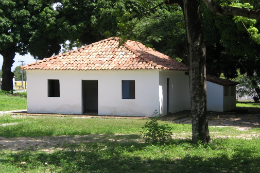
231, 50
164, 30
21, 30
18, 74
33, 26
86, 21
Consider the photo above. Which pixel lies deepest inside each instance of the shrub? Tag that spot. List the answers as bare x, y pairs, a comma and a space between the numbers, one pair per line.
155, 133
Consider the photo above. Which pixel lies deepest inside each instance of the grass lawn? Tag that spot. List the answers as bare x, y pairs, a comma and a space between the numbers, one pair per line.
107, 151
248, 104
132, 155
9, 102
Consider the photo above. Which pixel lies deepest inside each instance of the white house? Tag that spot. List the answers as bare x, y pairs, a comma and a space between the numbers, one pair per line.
221, 94
102, 78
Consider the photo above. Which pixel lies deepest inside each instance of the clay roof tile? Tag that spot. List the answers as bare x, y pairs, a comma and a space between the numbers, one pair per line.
106, 55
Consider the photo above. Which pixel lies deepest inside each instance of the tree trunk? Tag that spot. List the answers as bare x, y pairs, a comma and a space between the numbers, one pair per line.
197, 70
7, 74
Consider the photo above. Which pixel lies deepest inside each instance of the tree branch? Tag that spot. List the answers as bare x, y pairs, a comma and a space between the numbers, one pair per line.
232, 11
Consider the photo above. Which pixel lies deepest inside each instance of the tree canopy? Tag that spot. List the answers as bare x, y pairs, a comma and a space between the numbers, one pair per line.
231, 49
164, 30
26, 26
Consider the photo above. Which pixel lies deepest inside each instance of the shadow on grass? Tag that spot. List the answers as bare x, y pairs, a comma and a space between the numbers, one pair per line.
134, 157
50, 143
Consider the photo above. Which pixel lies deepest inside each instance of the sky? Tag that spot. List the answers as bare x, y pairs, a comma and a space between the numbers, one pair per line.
26, 58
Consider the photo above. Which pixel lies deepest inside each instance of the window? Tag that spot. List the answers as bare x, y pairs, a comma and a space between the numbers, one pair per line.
53, 88
128, 89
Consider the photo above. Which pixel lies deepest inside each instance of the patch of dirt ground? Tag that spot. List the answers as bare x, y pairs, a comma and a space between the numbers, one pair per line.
241, 118
49, 144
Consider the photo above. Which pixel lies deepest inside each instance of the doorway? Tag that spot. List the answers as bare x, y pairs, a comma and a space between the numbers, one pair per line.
90, 96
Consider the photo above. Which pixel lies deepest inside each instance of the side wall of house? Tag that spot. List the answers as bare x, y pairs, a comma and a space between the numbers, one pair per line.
179, 98
215, 98
110, 100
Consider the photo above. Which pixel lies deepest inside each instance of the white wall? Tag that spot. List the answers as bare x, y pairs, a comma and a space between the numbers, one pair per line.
179, 98
215, 95
110, 100
217, 100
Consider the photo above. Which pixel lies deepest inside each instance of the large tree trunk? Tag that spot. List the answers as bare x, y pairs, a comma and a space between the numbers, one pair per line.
197, 57
197, 70
7, 74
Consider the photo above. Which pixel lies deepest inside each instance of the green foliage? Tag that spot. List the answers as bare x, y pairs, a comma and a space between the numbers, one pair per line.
155, 133
254, 34
164, 30
26, 26
236, 4
91, 21
18, 74
22, 21
229, 46
6, 92
249, 24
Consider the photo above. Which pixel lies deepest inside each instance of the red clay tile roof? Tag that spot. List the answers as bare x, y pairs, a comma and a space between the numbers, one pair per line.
224, 82
106, 55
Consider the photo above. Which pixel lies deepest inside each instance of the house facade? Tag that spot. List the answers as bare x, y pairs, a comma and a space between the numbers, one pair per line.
104, 79
101, 92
